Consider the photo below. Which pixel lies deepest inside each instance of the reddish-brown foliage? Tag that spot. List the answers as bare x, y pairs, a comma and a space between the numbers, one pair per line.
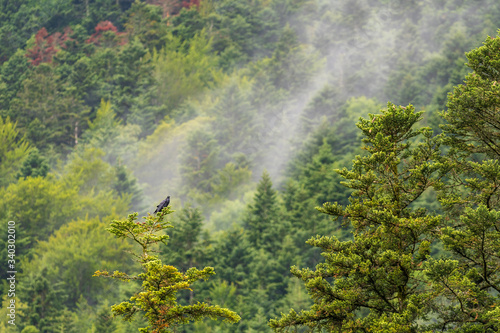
46, 46
97, 38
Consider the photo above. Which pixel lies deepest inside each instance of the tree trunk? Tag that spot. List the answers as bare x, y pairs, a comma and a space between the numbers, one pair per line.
76, 133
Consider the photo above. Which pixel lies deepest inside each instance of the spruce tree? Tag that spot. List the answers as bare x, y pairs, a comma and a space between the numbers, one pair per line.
105, 323
45, 302
160, 283
263, 221
374, 282
472, 116
468, 279
235, 121
34, 165
232, 257
199, 161
185, 248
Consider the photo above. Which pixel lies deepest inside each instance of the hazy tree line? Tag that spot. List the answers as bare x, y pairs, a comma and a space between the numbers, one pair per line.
245, 112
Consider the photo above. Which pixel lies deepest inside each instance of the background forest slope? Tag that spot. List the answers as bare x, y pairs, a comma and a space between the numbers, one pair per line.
239, 110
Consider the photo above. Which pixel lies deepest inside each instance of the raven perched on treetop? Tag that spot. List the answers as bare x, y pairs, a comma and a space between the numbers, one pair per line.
162, 205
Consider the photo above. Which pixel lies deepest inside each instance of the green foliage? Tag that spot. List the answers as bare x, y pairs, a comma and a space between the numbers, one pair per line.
55, 204
312, 180
44, 303
314, 184
160, 283
471, 115
230, 213
235, 119
199, 160
12, 74
89, 171
46, 112
241, 30
72, 254
108, 134
180, 74
263, 219
30, 329
377, 273
466, 284
5, 327
224, 294
187, 24
232, 256
34, 165
126, 184
466, 278
13, 149
105, 323
228, 183
242, 79
144, 22
187, 248
291, 66
325, 104
84, 189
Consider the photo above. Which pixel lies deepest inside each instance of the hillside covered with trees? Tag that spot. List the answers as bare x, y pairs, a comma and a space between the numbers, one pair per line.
332, 165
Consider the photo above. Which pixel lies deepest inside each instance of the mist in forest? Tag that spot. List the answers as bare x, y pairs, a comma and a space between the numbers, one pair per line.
355, 48
240, 111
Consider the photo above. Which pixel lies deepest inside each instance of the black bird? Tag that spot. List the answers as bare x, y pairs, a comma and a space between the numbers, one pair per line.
162, 205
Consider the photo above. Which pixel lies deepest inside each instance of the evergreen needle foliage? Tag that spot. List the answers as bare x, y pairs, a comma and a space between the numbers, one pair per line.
160, 283
374, 283
101, 99
393, 276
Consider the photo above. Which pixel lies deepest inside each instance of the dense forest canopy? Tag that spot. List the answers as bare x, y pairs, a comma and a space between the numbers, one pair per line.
262, 120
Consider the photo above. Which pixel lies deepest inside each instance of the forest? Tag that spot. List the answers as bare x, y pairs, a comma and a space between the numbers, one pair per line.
332, 166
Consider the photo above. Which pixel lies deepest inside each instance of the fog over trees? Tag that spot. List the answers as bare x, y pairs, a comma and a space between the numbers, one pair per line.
331, 165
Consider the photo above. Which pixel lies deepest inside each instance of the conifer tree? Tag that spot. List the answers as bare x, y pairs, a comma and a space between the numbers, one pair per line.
126, 183
34, 165
185, 247
233, 256
199, 160
157, 298
468, 278
263, 223
374, 282
473, 120
45, 302
105, 323
235, 120
13, 72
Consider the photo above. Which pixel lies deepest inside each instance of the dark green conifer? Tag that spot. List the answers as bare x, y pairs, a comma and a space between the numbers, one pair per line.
264, 226
45, 303
186, 248
105, 322
199, 161
374, 282
34, 165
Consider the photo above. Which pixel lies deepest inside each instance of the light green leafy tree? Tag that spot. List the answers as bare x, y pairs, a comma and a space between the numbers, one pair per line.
70, 256
182, 71
13, 149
